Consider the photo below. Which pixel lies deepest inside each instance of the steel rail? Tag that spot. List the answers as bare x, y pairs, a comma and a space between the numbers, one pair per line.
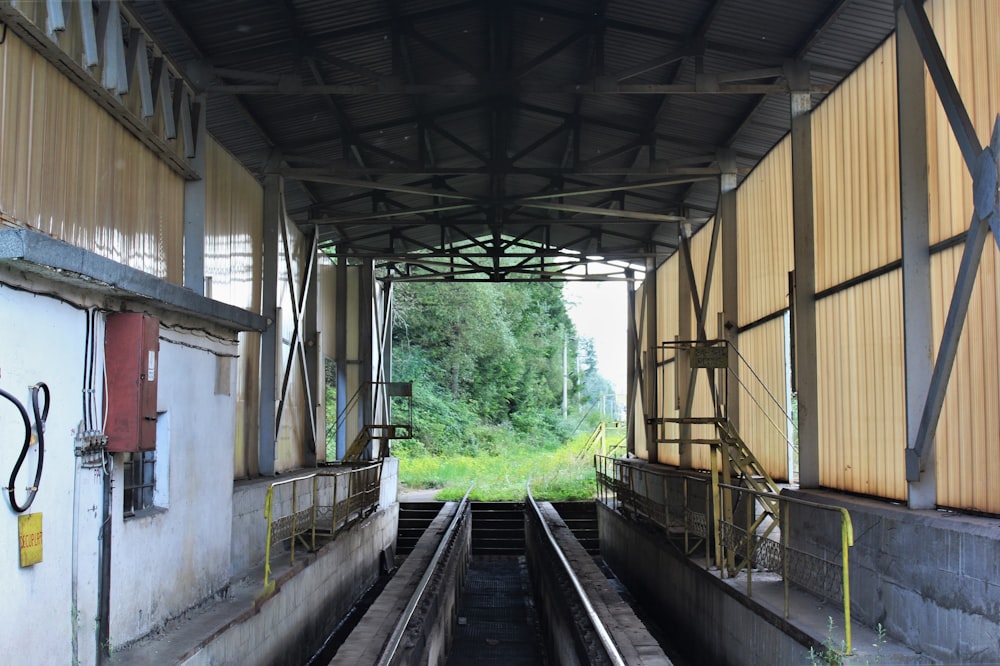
392, 646
602, 632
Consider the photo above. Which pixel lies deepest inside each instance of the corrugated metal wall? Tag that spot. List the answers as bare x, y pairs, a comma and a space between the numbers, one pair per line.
862, 420
763, 424
72, 171
764, 211
968, 434
234, 203
860, 325
667, 310
861, 413
855, 173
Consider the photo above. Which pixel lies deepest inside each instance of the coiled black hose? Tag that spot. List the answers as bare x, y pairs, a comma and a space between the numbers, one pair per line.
40, 414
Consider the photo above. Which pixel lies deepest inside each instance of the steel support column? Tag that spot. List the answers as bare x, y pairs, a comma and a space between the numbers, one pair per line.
805, 274
650, 296
983, 164
340, 351
383, 360
194, 206
727, 217
631, 335
687, 303
915, 233
274, 212
366, 314
315, 423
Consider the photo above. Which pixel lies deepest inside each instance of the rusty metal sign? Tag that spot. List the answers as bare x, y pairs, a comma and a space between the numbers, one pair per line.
709, 357
29, 538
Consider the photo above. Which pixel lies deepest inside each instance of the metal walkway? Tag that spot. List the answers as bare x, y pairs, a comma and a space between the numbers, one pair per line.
496, 617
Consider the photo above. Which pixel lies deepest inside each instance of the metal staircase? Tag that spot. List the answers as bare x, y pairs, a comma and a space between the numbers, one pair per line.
747, 519
399, 410
763, 515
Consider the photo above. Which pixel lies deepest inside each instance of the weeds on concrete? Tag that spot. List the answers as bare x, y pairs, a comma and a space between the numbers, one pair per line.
830, 654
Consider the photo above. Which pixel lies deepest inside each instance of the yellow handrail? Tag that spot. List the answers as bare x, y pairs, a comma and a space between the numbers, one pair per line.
362, 497
619, 489
846, 541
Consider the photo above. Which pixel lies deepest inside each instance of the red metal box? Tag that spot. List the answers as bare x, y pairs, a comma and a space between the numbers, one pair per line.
131, 348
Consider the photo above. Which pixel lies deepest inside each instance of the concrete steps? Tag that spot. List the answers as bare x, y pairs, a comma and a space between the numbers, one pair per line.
498, 528
414, 518
581, 519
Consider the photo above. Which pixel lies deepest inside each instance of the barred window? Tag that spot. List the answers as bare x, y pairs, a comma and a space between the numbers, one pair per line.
140, 481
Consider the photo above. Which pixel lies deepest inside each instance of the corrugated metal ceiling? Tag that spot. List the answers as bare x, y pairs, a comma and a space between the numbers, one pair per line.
492, 114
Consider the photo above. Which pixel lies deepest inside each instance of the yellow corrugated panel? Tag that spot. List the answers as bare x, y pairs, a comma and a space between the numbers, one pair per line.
700, 246
668, 306
860, 345
70, 170
763, 424
968, 434
855, 167
968, 458
233, 238
764, 211
862, 423
969, 34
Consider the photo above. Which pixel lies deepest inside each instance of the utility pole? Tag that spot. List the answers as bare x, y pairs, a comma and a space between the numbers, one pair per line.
565, 402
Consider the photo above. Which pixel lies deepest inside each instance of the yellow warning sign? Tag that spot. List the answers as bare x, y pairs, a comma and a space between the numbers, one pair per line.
29, 536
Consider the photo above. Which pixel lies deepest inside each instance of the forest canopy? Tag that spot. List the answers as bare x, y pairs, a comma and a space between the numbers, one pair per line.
487, 365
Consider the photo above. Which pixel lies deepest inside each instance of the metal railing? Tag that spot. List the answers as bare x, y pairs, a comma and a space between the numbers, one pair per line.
319, 505
599, 439
776, 412
821, 574
687, 506
610, 649
398, 400
677, 501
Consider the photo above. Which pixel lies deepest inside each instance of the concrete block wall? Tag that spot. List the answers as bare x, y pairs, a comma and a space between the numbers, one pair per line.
931, 578
708, 617
308, 602
249, 527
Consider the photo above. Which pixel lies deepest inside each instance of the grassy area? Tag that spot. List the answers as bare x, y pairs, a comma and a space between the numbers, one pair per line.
555, 474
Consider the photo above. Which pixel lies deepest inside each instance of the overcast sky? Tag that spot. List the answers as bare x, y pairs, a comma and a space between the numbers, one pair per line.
598, 311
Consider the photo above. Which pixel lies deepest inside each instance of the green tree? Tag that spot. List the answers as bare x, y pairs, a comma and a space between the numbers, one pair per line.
486, 360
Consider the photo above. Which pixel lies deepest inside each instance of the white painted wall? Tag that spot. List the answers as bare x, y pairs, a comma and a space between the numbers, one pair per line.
42, 339
165, 561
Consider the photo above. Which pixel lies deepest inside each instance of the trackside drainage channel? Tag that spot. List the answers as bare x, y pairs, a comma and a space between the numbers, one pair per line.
499, 592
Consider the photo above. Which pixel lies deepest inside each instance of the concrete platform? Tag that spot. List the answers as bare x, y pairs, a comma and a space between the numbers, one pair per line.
244, 627
712, 620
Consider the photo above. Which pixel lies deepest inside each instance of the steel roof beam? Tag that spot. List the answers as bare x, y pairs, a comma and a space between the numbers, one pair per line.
619, 187
347, 171
708, 84
815, 34
389, 214
623, 214
293, 174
